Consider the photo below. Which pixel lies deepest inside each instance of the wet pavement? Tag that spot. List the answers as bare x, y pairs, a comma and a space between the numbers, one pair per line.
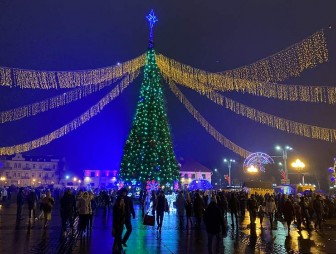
32, 238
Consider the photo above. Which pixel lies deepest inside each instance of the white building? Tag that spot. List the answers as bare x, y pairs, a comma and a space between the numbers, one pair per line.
192, 170
24, 170
100, 178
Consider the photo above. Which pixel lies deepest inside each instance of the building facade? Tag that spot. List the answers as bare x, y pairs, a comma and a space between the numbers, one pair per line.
97, 178
24, 170
192, 170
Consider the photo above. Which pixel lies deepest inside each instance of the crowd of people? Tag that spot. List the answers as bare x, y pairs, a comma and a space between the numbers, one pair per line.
214, 211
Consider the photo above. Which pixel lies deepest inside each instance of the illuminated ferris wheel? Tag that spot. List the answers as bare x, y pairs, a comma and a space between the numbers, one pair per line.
258, 160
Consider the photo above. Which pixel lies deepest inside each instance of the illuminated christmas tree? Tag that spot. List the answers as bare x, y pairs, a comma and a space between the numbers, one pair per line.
148, 152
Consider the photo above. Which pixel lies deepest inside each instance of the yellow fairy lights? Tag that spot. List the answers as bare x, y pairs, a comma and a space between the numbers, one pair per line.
205, 81
287, 63
74, 124
67, 79
209, 128
301, 129
51, 103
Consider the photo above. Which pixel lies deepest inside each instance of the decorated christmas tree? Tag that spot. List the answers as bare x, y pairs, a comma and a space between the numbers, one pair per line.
148, 153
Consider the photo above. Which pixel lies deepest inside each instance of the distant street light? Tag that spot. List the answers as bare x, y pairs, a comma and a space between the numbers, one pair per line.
229, 162
284, 157
299, 165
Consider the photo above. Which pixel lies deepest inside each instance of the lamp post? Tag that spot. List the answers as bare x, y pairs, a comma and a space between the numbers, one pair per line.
284, 157
229, 162
220, 179
299, 165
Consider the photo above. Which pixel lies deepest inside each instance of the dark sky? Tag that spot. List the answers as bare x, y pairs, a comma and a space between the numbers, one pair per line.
212, 35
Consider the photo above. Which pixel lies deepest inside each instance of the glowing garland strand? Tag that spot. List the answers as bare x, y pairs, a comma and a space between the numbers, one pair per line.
301, 129
74, 124
51, 103
209, 128
34, 79
207, 82
287, 63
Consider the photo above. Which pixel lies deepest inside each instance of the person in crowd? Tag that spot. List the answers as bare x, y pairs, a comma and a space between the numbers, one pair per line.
215, 226
304, 204
252, 207
19, 202
242, 204
223, 204
318, 208
47, 205
92, 210
153, 201
288, 212
68, 209
261, 214
160, 208
270, 209
298, 215
119, 217
234, 208
129, 211
83, 207
142, 200
180, 206
189, 210
32, 203
41, 215
198, 209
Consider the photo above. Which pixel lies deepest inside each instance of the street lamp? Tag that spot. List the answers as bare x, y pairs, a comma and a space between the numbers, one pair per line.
229, 162
284, 157
299, 165
220, 179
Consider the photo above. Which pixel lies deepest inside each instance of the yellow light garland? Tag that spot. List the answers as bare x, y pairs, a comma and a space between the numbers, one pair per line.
51, 103
209, 128
301, 129
74, 124
34, 79
205, 81
287, 63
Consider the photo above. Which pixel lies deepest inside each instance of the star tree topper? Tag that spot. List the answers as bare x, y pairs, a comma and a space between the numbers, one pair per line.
152, 19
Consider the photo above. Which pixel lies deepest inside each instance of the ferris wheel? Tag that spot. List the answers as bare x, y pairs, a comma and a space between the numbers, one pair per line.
258, 160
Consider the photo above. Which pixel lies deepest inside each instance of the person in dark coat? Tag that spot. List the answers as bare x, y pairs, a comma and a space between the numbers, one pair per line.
68, 209
189, 210
180, 207
129, 211
160, 208
19, 204
234, 208
119, 216
318, 208
198, 209
32, 203
214, 223
288, 212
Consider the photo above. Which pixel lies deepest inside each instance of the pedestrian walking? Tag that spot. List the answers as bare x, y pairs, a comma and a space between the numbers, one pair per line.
83, 208
189, 210
270, 209
32, 203
129, 211
47, 204
234, 208
288, 212
318, 209
67, 208
198, 209
19, 204
215, 226
160, 208
180, 207
119, 217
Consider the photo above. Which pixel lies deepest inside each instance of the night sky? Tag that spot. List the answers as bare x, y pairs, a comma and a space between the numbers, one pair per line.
212, 35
